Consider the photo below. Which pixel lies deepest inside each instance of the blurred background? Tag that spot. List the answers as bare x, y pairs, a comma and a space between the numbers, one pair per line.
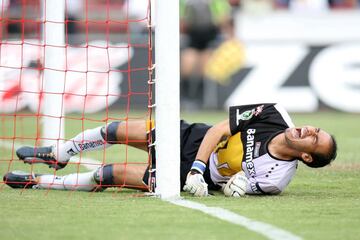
304, 54
301, 53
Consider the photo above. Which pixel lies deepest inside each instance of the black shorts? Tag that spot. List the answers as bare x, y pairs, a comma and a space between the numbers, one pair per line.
191, 136
202, 38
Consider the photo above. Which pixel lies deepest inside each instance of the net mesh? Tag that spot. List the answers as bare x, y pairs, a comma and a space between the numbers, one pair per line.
107, 76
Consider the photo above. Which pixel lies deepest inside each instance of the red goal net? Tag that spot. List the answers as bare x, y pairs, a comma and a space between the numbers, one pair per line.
105, 73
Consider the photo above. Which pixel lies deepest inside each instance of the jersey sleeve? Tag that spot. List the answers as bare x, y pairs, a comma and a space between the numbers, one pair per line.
263, 114
273, 183
258, 188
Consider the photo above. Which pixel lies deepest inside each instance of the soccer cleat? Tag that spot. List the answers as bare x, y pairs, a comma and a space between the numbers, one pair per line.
20, 179
44, 155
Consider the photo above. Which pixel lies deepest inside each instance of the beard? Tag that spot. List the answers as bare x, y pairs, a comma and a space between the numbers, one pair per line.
289, 139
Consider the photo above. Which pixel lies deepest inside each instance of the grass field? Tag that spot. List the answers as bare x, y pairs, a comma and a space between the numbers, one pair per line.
318, 204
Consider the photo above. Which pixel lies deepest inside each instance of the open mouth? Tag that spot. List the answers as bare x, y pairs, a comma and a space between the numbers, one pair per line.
299, 132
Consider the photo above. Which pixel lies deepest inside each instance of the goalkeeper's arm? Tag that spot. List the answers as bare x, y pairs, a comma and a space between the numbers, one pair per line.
195, 182
211, 139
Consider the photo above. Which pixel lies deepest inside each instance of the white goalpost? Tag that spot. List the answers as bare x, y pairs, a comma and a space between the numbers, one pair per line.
54, 71
167, 99
167, 84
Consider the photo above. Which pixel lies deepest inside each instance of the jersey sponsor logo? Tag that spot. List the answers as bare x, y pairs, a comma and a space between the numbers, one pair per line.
257, 149
258, 110
249, 151
84, 146
244, 116
248, 114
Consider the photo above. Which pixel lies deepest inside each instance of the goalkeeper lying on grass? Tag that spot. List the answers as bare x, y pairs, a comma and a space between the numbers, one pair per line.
255, 151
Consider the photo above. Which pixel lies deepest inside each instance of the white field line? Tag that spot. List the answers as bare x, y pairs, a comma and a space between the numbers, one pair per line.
267, 230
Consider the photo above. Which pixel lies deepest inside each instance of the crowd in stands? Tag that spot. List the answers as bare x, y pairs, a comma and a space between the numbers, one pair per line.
78, 10
204, 24
330, 4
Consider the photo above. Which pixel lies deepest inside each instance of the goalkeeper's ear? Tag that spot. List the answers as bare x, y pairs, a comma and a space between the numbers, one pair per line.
306, 157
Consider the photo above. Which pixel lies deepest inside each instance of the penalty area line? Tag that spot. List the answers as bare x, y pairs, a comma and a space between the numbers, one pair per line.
265, 229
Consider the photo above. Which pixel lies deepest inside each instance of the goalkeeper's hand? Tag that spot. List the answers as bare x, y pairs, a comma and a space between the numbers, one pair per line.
195, 184
236, 186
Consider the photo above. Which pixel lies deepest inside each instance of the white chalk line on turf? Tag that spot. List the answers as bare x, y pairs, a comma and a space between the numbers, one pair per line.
267, 230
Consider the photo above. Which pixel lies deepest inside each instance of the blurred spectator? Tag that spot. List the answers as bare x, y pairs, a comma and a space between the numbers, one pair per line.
74, 9
332, 4
257, 6
202, 22
309, 5
344, 4
281, 4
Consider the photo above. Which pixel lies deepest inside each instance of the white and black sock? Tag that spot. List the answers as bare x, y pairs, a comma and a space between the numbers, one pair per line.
74, 181
88, 140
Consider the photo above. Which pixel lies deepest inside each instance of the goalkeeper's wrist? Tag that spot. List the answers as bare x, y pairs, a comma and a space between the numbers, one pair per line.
198, 166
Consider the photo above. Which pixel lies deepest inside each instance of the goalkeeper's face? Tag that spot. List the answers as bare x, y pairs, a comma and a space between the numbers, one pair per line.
308, 139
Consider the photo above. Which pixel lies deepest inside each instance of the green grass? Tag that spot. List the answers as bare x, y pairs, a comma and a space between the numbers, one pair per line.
318, 204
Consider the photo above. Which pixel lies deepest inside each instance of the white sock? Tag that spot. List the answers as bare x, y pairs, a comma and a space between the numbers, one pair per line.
89, 140
74, 181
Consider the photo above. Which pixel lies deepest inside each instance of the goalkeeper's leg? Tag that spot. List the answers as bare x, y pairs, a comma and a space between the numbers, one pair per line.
110, 175
132, 133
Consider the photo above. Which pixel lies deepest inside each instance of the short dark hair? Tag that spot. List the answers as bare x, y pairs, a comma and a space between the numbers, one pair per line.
321, 160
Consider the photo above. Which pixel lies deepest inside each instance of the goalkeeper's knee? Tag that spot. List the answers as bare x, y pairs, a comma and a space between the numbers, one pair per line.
104, 176
108, 132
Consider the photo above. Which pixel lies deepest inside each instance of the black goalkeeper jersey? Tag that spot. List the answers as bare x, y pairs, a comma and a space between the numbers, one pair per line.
252, 127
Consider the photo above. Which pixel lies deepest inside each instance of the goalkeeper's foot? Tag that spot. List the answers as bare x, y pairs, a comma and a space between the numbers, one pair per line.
20, 179
44, 155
